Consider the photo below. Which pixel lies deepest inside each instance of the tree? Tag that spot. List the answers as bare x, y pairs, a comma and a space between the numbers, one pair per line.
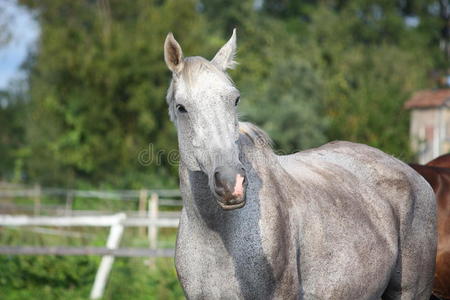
97, 89
309, 72
13, 114
280, 91
289, 105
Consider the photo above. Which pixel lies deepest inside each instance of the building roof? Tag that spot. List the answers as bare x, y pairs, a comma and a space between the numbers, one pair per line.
429, 98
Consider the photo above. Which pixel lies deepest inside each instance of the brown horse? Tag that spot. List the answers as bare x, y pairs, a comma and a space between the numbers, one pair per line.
442, 161
439, 179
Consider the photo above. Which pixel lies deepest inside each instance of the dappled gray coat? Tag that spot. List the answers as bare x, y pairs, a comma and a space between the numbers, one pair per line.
343, 221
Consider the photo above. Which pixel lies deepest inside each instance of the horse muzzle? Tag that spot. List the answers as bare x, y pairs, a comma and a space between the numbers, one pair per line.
230, 185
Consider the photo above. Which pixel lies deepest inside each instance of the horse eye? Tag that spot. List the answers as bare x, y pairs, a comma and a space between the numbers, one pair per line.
237, 101
181, 108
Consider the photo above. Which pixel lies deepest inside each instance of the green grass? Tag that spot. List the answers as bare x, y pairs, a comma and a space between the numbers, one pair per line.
71, 277
56, 278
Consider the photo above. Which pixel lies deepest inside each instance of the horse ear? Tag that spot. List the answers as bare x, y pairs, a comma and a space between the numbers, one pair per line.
224, 59
173, 55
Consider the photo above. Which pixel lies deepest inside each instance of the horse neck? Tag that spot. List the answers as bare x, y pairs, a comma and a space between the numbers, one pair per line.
258, 232
198, 201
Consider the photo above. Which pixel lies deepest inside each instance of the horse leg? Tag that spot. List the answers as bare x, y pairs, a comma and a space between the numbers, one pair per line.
413, 276
414, 272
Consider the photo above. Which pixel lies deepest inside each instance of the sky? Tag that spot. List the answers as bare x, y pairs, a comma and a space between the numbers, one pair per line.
25, 31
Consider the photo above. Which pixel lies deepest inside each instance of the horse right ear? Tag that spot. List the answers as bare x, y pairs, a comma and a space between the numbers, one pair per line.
224, 59
173, 55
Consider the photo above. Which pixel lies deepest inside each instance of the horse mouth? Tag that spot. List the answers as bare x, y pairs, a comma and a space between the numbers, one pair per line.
231, 206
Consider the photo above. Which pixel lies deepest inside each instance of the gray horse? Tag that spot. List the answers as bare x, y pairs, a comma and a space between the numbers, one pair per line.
343, 221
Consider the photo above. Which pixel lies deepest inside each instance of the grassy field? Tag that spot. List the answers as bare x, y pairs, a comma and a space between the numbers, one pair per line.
71, 277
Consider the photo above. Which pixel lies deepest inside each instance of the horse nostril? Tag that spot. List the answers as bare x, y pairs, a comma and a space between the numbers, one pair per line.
217, 178
219, 185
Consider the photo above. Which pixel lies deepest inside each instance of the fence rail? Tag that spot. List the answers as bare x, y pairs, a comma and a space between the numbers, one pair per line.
60, 210
113, 195
162, 198
119, 252
81, 221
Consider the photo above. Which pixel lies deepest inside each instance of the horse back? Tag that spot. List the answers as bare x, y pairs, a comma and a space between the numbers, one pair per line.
442, 161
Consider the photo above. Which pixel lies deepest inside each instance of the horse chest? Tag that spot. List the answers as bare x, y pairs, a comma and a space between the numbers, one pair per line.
225, 265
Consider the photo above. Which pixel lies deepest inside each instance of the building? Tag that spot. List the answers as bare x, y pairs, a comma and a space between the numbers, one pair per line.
430, 123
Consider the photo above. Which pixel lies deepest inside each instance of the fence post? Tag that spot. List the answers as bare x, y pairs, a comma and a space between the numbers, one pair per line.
69, 203
37, 199
153, 215
143, 195
104, 269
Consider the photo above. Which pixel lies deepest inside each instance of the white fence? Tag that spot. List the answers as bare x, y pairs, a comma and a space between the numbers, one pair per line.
164, 198
92, 221
148, 216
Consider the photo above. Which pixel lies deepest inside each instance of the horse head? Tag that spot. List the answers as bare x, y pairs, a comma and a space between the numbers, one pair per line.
202, 103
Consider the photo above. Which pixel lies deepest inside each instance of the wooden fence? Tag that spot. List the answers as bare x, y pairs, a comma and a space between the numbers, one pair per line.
115, 222
119, 252
164, 197
148, 216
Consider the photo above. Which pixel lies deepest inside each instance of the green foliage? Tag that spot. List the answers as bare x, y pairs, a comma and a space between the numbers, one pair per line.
49, 275
98, 90
13, 116
309, 72
368, 74
71, 278
280, 90
289, 106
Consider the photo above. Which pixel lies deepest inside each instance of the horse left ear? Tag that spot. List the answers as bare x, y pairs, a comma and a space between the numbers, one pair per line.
224, 58
173, 55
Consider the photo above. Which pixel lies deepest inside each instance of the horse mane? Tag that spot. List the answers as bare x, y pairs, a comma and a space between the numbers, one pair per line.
256, 135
